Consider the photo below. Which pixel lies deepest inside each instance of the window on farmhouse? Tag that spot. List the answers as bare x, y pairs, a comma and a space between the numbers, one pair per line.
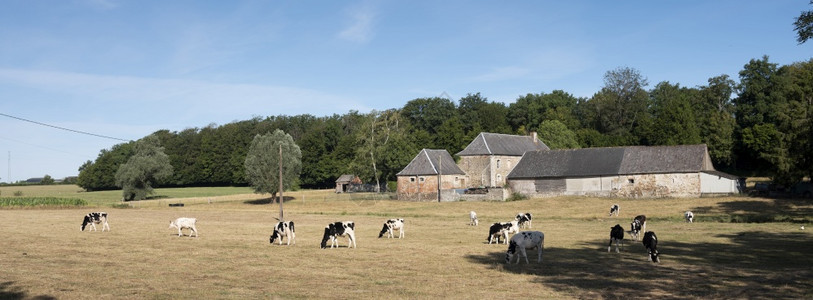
411, 179
631, 181
498, 164
422, 179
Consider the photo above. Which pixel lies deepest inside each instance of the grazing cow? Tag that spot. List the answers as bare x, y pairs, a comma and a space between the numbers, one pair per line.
614, 210
638, 225
526, 240
93, 219
651, 244
524, 220
473, 218
283, 230
182, 223
391, 225
689, 217
337, 229
617, 236
502, 229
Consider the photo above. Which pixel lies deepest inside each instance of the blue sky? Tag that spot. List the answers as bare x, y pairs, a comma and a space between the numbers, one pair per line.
125, 69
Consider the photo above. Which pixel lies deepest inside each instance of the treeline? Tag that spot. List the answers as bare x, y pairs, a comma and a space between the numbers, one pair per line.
758, 126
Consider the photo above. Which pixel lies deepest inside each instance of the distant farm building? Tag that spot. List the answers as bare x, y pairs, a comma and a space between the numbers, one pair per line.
633, 172
490, 157
428, 173
345, 181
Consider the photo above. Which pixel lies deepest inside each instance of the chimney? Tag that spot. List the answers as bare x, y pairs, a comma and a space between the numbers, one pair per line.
533, 137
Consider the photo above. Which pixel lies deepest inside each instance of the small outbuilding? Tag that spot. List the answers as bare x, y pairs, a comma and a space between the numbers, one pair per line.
428, 173
633, 172
345, 181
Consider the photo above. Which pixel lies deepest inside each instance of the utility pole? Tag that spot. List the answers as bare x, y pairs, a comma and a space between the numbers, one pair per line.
281, 218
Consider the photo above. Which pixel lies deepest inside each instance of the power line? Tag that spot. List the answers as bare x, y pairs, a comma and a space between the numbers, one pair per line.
63, 128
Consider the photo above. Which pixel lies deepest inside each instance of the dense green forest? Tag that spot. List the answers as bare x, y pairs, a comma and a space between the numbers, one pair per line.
760, 125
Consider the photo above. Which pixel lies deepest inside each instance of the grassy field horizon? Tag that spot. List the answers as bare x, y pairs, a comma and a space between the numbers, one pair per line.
733, 250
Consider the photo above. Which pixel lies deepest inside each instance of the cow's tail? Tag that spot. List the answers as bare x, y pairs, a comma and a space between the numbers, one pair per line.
291, 225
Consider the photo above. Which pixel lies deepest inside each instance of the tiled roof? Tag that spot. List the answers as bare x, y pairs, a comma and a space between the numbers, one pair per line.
428, 161
502, 144
613, 161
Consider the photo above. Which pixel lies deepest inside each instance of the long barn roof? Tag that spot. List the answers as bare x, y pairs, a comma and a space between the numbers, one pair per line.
429, 161
502, 144
613, 161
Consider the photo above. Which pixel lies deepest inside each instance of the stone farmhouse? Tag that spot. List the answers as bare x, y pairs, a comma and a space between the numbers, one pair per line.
632, 172
427, 174
489, 158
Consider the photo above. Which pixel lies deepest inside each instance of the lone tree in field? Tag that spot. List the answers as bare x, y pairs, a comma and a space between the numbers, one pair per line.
262, 162
147, 167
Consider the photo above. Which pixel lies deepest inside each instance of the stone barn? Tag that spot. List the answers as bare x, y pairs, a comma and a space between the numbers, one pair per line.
489, 158
428, 173
344, 182
632, 172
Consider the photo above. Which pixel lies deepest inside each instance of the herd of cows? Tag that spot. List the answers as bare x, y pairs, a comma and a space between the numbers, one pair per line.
518, 244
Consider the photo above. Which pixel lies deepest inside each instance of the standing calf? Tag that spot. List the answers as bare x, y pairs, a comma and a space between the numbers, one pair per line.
638, 225
503, 229
526, 240
283, 230
93, 219
614, 210
689, 217
182, 223
524, 220
651, 244
473, 218
391, 225
617, 236
337, 229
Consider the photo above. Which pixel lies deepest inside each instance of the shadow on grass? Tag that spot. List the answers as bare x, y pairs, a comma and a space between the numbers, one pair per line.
9, 291
269, 200
755, 265
752, 211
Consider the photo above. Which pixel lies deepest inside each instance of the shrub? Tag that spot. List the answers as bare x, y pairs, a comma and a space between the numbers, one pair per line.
18, 193
516, 197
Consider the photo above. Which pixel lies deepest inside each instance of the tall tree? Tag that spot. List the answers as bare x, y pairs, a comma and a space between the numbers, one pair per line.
147, 167
673, 120
804, 26
715, 116
557, 136
263, 161
620, 104
428, 114
754, 110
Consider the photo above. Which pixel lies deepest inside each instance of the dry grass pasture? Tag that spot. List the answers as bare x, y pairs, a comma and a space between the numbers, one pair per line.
44, 255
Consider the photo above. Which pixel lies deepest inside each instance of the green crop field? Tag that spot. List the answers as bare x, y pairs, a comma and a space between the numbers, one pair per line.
737, 248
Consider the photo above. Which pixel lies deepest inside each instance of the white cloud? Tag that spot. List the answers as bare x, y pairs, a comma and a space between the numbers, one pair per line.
361, 26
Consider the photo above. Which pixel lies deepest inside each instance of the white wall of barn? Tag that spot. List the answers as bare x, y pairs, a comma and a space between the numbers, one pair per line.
715, 184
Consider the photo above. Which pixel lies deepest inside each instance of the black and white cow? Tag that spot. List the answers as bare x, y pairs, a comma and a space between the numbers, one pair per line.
337, 229
638, 225
614, 210
501, 229
93, 219
524, 220
526, 240
391, 225
617, 236
689, 216
473, 218
182, 223
651, 244
283, 230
